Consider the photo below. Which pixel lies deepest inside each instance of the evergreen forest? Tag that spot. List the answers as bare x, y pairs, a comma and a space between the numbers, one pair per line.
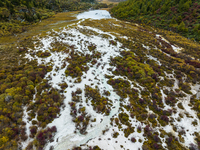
182, 16
16, 15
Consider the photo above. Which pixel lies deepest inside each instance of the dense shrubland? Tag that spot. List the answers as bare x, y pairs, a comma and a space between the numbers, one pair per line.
15, 15
100, 104
80, 117
19, 83
180, 16
17, 89
135, 66
78, 63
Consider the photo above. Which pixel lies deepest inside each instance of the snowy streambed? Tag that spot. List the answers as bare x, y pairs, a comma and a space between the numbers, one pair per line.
94, 14
65, 136
100, 132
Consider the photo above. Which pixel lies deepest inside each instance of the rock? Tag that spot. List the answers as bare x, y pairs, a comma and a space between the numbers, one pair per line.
8, 98
23, 10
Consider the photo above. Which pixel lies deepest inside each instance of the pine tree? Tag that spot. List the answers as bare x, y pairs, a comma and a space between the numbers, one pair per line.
186, 6
182, 27
180, 5
173, 21
1, 4
12, 11
196, 28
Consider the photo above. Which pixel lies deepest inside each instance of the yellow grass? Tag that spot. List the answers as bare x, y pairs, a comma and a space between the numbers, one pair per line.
55, 22
107, 2
8, 44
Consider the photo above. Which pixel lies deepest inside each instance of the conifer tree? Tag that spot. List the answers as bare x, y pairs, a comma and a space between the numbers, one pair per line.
182, 27
186, 5
173, 21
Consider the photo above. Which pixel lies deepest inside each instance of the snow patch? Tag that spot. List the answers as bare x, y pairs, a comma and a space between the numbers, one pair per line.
94, 14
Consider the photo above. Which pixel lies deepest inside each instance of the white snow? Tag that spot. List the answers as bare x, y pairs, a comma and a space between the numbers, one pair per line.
94, 14
174, 47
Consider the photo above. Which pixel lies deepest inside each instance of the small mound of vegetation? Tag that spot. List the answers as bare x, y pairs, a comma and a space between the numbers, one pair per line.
99, 103
42, 137
78, 63
80, 117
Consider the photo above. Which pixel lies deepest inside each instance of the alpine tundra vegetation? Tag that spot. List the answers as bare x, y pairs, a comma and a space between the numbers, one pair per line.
86, 80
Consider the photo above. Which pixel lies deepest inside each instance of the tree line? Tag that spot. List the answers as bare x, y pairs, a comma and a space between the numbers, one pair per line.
15, 15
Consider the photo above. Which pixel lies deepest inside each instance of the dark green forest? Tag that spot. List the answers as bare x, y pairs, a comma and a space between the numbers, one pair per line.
182, 16
15, 15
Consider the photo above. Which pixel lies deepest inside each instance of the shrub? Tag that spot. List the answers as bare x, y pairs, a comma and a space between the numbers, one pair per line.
133, 140
115, 134
33, 130
164, 118
124, 118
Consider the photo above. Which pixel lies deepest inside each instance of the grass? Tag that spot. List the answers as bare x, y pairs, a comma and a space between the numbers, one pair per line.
57, 21
108, 2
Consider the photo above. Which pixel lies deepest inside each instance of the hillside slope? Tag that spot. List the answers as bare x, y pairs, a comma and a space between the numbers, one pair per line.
15, 15
100, 84
182, 16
